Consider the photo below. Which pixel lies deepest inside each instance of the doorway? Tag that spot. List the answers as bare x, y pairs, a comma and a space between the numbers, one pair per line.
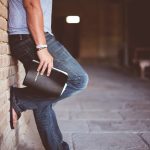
67, 34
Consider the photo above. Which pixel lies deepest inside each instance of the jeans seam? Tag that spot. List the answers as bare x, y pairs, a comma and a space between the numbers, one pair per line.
53, 128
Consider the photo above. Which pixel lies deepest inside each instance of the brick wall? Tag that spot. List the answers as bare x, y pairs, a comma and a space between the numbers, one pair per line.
12, 73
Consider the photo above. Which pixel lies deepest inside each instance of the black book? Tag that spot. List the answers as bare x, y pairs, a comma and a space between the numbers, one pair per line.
52, 86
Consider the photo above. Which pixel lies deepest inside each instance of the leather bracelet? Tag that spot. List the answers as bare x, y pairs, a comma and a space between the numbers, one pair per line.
41, 46
38, 49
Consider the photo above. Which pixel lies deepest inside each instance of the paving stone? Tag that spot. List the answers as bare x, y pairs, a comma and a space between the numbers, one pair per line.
95, 115
68, 104
69, 126
146, 136
92, 96
119, 126
115, 105
137, 106
101, 105
62, 115
108, 141
135, 115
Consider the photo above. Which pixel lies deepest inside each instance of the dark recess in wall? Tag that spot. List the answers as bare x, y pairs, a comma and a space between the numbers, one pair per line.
139, 23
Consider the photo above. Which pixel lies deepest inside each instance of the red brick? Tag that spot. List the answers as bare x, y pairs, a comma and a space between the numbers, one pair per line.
6, 60
4, 98
7, 71
4, 36
5, 84
4, 110
4, 2
3, 24
4, 49
3, 11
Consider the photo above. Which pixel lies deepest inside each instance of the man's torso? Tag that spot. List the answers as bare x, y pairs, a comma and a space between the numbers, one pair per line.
17, 23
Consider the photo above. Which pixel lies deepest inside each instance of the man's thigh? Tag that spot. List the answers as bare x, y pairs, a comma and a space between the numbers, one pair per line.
63, 59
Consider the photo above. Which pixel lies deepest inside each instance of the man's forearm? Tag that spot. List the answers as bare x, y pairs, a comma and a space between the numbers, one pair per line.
35, 23
36, 26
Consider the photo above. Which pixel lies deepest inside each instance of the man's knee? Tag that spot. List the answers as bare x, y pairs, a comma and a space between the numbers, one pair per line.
81, 81
84, 81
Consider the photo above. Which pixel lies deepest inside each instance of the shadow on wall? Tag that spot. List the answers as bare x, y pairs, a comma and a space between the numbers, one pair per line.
1, 139
24, 147
27, 136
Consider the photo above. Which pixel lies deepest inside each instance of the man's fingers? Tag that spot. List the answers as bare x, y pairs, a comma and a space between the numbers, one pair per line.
46, 64
40, 66
49, 69
44, 68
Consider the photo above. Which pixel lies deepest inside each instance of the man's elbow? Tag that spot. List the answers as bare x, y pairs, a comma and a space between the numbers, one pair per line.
31, 4
27, 3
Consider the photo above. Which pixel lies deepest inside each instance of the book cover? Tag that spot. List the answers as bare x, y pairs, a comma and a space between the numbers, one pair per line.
53, 85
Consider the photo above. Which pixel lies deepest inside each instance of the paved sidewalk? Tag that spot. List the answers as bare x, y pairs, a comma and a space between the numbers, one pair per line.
113, 113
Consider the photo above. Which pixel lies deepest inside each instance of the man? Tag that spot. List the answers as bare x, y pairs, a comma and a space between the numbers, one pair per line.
30, 37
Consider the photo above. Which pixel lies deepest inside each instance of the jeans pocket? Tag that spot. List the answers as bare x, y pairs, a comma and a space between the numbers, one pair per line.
19, 48
23, 50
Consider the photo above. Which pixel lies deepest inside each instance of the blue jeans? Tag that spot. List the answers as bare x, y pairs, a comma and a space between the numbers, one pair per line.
24, 50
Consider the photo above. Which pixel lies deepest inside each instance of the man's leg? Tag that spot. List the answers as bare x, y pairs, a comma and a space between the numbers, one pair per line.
77, 81
48, 128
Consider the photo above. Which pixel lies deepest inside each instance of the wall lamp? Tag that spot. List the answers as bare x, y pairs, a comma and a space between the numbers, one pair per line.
73, 19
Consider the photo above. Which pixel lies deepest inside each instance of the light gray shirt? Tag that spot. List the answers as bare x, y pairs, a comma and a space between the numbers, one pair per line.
17, 23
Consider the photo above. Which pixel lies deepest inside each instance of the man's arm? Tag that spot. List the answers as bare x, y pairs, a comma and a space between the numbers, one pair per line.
36, 26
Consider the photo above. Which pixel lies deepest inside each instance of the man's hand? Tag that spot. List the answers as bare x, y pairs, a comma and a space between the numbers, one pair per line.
46, 61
